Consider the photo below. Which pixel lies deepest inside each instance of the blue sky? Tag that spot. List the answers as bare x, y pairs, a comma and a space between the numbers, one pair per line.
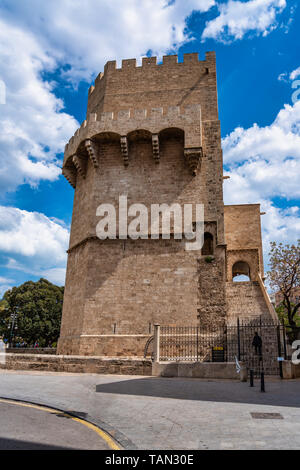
52, 51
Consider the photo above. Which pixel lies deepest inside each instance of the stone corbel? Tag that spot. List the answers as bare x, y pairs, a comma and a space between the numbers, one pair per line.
124, 149
193, 158
80, 165
92, 152
70, 175
155, 148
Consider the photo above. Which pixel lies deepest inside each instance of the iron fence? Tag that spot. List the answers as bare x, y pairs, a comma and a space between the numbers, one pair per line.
226, 344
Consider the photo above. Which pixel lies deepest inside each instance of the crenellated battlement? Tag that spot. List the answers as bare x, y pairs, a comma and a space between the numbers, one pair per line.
153, 120
145, 99
168, 61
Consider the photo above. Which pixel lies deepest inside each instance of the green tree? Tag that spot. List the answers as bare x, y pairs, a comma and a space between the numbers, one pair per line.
283, 318
3, 316
284, 277
37, 309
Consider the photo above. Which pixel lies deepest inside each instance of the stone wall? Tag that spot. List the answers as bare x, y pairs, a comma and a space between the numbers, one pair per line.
251, 257
144, 181
290, 370
153, 85
77, 364
130, 285
245, 300
211, 292
243, 237
202, 370
31, 350
152, 133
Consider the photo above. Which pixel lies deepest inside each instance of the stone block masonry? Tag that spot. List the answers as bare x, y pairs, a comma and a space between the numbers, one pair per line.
151, 133
77, 364
155, 85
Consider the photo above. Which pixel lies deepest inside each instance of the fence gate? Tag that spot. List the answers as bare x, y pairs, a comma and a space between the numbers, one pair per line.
273, 345
194, 343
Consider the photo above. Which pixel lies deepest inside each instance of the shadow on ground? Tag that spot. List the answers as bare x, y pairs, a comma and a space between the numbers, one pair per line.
15, 444
278, 393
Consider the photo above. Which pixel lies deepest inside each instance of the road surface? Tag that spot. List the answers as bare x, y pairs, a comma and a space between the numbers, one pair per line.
25, 426
163, 413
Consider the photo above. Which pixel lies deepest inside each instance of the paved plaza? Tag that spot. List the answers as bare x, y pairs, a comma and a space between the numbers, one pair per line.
169, 413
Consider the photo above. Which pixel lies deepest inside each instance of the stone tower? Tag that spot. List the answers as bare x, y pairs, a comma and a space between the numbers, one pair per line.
151, 133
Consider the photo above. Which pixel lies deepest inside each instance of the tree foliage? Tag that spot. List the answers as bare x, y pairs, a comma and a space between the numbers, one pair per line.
284, 276
37, 308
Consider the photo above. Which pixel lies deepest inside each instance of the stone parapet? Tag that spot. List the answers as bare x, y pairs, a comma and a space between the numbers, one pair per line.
31, 350
76, 364
153, 120
203, 370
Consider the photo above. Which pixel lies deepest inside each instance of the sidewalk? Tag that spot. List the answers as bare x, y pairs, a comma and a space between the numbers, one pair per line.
170, 413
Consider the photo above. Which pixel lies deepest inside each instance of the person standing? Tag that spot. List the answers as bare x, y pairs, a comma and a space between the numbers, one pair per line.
257, 343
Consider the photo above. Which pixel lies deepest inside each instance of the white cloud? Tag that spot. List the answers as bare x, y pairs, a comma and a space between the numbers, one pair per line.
266, 148
295, 73
38, 37
33, 243
264, 164
55, 275
277, 224
87, 36
33, 128
5, 284
237, 18
5, 280
283, 77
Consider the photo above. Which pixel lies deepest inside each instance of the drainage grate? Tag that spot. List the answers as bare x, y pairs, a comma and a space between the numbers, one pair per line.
266, 416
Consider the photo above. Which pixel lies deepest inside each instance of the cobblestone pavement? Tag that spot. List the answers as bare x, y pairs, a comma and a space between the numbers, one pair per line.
170, 413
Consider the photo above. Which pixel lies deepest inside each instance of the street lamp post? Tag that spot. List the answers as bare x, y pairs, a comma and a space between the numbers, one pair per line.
13, 326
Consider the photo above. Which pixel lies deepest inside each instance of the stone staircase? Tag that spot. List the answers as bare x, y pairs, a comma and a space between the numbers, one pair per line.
245, 300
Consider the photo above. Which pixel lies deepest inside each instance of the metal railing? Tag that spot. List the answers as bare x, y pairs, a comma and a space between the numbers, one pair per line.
223, 344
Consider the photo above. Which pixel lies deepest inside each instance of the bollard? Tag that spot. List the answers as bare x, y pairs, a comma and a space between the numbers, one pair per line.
280, 370
251, 378
262, 382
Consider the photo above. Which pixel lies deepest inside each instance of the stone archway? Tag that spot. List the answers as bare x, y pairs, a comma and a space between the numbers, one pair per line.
241, 268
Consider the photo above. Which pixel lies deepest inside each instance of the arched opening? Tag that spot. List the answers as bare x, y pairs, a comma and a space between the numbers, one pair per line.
104, 137
241, 271
170, 132
208, 245
139, 135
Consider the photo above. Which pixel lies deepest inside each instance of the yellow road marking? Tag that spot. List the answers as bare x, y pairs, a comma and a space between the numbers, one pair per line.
101, 433
106, 437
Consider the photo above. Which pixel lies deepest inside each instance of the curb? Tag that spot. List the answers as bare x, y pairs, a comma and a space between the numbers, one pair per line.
117, 436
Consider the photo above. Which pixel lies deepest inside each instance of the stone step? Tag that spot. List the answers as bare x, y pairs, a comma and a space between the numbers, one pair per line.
245, 299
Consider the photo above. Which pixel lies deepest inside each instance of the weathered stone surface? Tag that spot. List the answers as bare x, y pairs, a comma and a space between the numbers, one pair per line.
204, 370
290, 370
245, 300
97, 365
31, 350
243, 238
116, 290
